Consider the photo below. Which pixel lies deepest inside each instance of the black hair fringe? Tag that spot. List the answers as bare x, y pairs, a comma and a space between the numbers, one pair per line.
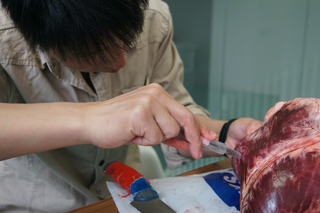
78, 29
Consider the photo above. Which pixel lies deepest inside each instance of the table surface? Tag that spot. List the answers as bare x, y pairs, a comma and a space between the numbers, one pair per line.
108, 205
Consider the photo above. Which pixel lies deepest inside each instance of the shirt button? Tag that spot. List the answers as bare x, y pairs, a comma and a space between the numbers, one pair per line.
101, 162
82, 81
99, 192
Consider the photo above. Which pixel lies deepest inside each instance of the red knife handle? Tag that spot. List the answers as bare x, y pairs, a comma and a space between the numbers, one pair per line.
127, 177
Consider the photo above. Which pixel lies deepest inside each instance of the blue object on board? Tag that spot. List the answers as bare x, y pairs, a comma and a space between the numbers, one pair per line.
142, 190
226, 186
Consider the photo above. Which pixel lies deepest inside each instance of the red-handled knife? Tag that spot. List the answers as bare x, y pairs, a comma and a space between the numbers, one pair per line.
145, 199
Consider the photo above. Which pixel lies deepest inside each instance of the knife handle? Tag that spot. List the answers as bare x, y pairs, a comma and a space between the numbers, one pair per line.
128, 178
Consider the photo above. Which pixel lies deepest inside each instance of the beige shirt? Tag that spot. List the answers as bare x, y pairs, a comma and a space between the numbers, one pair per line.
67, 178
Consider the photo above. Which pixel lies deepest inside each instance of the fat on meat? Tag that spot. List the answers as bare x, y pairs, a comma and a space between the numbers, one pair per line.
279, 169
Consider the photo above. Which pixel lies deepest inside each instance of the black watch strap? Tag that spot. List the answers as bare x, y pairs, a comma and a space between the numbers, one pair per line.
224, 130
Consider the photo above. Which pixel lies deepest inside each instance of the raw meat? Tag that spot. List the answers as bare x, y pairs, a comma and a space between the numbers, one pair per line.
279, 170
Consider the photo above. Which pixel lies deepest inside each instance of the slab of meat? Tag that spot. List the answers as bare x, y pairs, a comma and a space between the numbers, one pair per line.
280, 166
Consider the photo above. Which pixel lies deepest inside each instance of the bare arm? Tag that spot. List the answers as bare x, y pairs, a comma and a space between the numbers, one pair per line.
31, 128
146, 116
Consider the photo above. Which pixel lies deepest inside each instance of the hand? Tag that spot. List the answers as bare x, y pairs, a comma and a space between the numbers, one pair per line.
145, 116
207, 135
241, 128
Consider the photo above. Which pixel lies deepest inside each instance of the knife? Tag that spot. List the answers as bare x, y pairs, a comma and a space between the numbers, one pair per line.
145, 199
213, 146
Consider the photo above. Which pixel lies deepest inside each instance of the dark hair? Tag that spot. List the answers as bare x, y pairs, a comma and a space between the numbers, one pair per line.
78, 28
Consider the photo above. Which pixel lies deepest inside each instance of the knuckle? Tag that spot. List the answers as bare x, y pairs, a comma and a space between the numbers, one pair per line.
156, 89
190, 118
172, 132
147, 100
155, 92
158, 140
156, 85
139, 111
155, 139
177, 131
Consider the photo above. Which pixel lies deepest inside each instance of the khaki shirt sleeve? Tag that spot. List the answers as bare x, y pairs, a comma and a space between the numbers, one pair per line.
168, 72
9, 93
7, 88
4, 89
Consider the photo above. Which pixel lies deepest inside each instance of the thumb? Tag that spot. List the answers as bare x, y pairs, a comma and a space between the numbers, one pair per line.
253, 126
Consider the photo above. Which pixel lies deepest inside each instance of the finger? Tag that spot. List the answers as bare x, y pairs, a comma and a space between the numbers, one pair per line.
193, 136
239, 128
157, 97
188, 121
142, 141
167, 124
154, 122
144, 125
147, 135
183, 117
179, 144
207, 134
273, 110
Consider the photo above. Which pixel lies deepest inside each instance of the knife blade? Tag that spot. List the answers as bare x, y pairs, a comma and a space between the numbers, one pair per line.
213, 146
146, 199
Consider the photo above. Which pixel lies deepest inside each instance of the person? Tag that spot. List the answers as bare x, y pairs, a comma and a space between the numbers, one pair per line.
82, 83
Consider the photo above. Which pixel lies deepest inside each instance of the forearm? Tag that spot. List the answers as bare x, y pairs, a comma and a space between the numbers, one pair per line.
32, 128
146, 116
214, 125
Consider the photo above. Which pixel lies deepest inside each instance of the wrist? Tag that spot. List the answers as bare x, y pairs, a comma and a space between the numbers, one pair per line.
224, 131
85, 121
70, 123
